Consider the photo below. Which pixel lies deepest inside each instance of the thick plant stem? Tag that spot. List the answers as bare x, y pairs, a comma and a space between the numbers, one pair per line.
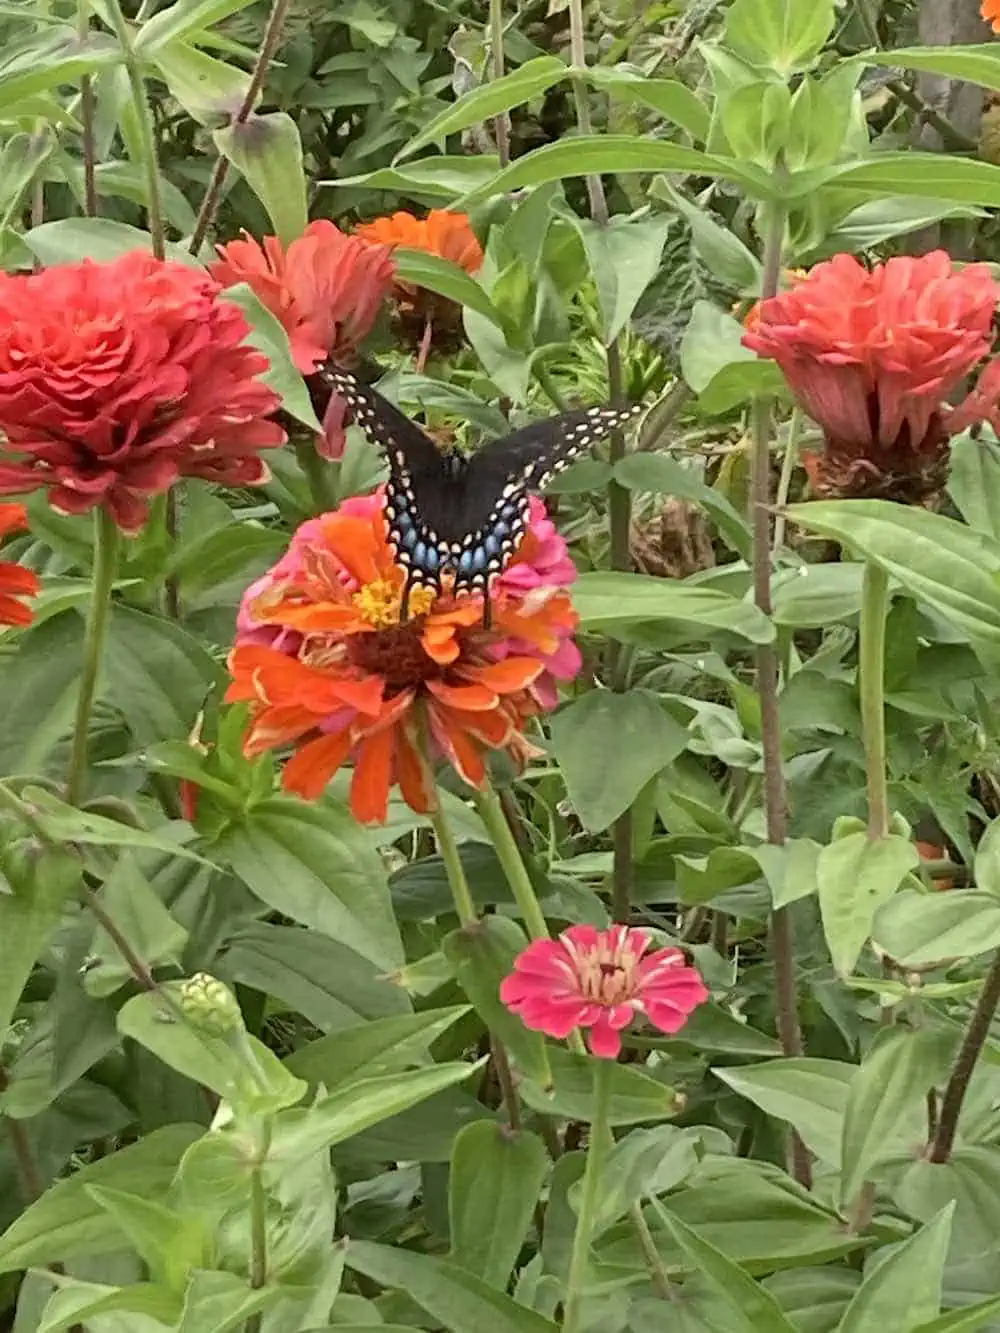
136, 965
144, 120
457, 882
268, 50
871, 686
501, 125
490, 811
258, 1228
775, 804
965, 1064
597, 1153
619, 498
102, 579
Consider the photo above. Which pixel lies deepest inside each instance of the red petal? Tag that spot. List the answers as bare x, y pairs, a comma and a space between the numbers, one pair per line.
313, 765
373, 777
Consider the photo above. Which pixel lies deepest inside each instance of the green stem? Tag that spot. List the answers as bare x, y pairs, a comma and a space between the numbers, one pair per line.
258, 1227
147, 133
317, 474
501, 125
102, 579
87, 109
788, 462
871, 686
490, 811
454, 869
597, 1154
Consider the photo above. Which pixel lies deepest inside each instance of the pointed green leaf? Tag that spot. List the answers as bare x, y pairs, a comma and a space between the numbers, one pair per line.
370, 1048
905, 1290
613, 602
267, 151
446, 279
855, 876
807, 1093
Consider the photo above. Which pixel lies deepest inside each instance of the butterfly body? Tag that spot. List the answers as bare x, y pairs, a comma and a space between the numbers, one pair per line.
458, 515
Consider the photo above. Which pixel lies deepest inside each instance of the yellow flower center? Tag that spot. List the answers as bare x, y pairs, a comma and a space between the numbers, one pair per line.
379, 603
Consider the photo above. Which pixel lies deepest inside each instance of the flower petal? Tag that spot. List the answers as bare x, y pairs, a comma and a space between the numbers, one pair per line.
313, 765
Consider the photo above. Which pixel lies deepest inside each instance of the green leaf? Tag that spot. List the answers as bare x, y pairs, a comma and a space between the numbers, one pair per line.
301, 1133
785, 35
750, 1304
69, 240
436, 180
206, 88
21, 159
887, 1101
726, 256
222, 1302
670, 97
269, 337
488, 100
645, 1163
923, 175
615, 603
904, 1291
974, 483
481, 955
56, 56
716, 365
970, 1180
812, 596
29, 916
64, 823
969, 1319
450, 1295
986, 867
807, 1093
609, 746
267, 151
315, 864
951, 567
446, 279
973, 64
144, 1307
595, 155
252, 1079
137, 911
918, 929
635, 1096
40, 685
158, 675
66, 1221
855, 876
370, 1048
167, 1242
183, 19
790, 870
659, 472
624, 256
493, 1187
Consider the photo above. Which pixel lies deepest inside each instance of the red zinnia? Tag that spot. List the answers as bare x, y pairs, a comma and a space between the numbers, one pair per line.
326, 289
873, 356
326, 665
599, 979
118, 378
16, 582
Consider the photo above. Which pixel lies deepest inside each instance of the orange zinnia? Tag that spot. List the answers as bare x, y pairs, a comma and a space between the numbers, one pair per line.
16, 582
990, 10
448, 235
327, 667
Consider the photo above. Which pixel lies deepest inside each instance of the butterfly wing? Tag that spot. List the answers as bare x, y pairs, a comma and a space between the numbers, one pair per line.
501, 476
421, 491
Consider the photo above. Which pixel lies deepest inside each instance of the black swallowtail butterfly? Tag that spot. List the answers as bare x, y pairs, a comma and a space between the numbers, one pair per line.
466, 515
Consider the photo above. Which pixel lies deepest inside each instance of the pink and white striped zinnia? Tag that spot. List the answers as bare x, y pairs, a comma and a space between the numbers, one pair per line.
599, 979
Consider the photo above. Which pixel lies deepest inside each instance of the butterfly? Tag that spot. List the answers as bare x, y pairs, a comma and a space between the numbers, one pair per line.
448, 513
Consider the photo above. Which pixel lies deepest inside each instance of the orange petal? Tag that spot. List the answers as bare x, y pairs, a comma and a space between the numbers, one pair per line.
356, 545
318, 618
18, 580
277, 726
506, 677
365, 694
414, 774
13, 518
494, 729
472, 698
391, 712
373, 777
439, 643
460, 749
314, 764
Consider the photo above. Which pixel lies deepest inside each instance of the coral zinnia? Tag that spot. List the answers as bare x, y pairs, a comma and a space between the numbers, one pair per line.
873, 356
16, 582
118, 378
422, 314
599, 979
326, 289
326, 665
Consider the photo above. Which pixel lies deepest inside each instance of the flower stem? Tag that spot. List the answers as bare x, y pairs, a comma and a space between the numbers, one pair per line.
459, 885
258, 1227
490, 811
87, 119
871, 685
268, 48
775, 803
102, 579
144, 120
965, 1064
788, 461
597, 1154
501, 125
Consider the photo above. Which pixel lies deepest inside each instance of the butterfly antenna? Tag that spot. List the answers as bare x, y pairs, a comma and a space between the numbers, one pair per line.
404, 605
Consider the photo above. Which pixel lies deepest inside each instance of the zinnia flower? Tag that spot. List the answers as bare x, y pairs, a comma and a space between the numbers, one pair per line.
118, 378
873, 356
990, 10
599, 979
423, 315
327, 290
327, 667
16, 582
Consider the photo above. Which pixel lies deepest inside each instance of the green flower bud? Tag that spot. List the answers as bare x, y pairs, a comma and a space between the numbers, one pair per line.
210, 1006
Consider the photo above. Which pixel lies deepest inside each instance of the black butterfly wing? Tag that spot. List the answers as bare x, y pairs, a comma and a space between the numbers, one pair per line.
502, 474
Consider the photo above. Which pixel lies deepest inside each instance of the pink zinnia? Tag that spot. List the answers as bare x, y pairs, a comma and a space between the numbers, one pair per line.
599, 979
873, 357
